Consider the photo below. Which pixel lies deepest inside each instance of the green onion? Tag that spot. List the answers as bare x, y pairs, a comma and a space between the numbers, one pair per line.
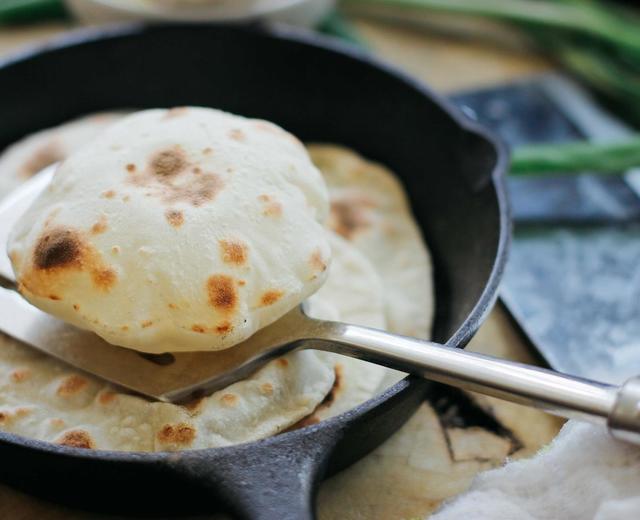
334, 24
583, 17
22, 11
576, 157
598, 42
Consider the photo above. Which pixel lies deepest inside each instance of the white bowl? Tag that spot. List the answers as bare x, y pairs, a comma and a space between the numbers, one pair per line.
297, 12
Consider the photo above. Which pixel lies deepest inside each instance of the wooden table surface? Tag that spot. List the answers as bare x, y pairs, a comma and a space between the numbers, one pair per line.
428, 460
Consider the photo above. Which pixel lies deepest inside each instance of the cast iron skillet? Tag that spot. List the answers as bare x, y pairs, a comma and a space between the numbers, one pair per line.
321, 91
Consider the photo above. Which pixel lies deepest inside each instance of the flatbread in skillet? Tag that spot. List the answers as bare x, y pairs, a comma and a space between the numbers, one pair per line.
159, 236
28, 156
42, 398
370, 209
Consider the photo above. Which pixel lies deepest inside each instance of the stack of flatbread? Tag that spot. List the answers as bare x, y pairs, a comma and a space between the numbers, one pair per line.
209, 229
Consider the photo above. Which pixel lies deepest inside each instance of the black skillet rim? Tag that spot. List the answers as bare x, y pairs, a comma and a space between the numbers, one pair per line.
459, 339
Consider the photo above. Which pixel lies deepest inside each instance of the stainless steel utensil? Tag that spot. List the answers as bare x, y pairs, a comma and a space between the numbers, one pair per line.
175, 377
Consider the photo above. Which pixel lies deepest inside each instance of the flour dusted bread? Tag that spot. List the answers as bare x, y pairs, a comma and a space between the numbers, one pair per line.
177, 230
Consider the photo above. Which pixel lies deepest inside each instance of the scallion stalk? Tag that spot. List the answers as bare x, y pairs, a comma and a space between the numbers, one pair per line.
576, 157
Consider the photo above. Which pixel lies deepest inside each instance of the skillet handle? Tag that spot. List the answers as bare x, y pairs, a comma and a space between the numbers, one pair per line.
274, 479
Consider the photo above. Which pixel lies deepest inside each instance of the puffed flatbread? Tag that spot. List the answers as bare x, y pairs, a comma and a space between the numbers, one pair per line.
159, 236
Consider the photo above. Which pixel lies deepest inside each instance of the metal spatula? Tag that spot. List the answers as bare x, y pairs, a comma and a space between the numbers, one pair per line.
175, 377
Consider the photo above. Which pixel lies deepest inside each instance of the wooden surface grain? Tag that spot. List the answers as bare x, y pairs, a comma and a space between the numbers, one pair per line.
429, 460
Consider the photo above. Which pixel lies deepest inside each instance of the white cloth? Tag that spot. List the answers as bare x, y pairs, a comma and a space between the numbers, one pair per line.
583, 474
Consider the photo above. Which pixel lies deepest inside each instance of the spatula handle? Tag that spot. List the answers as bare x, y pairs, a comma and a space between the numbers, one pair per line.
560, 394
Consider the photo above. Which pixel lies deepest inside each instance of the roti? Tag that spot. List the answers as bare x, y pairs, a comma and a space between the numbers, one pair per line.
44, 399
159, 235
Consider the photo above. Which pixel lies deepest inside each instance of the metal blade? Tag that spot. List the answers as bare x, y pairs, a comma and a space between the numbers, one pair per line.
164, 377
14, 206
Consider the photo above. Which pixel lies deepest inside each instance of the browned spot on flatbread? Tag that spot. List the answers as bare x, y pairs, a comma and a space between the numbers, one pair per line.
71, 385
207, 151
237, 135
47, 154
168, 163
109, 194
170, 177
100, 226
271, 207
174, 217
56, 422
146, 324
20, 374
202, 190
224, 328
266, 126
181, 433
58, 248
76, 307
223, 295
124, 328
195, 405
176, 112
54, 297
130, 167
8, 416
229, 400
270, 297
59, 253
106, 397
233, 252
317, 262
283, 362
103, 278
266, 388
172, 306
76, 439
349, 216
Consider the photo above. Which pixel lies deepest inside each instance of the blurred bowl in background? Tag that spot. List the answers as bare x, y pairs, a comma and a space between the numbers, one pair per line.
296, 12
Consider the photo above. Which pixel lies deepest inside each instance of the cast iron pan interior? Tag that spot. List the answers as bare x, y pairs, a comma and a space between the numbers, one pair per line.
320, 91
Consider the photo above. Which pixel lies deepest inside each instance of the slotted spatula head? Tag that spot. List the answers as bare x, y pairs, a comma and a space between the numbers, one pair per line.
164, 377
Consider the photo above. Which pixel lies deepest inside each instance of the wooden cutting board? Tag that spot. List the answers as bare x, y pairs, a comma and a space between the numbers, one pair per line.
436, 454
